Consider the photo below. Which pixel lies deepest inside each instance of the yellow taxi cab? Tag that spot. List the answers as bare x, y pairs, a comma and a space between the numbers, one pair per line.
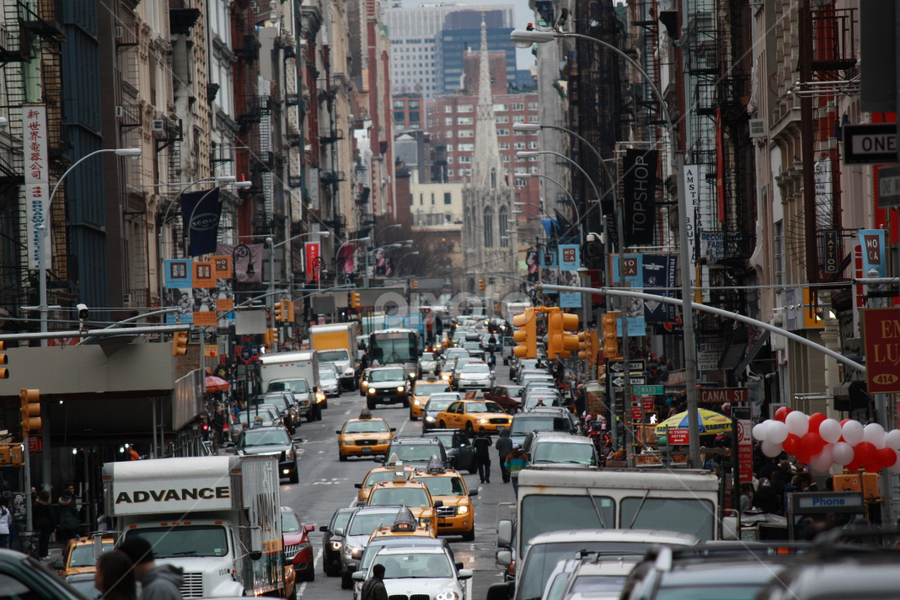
422, 391
411, 494
364, 437
472, 415
364, 381
404, 525
78, 556
376, 475
290, 582
457, 515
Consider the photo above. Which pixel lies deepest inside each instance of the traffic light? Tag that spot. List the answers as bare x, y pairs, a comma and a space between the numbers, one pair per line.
4, 360
354, 300
482, 284
584, 345
271, 337
288, 311
31, 410
415, 284
279, 311
179, 343
525, 334
558, 341
610, 334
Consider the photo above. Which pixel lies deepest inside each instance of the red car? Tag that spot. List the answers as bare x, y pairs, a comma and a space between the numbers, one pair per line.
297, 548
507, 396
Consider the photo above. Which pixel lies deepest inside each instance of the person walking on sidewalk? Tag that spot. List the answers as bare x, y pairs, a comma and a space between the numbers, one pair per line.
482, 442
515, 462
42, 518
68, 515
504, 447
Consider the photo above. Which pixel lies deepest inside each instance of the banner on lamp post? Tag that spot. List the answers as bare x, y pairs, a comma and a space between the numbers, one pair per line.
201, 211
639, 198
37, 186
313, 260
179, 290
881, 332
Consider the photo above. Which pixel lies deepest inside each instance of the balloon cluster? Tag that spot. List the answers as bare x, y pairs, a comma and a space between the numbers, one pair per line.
822, 442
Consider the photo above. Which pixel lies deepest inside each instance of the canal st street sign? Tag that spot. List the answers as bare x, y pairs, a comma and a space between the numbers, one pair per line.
723, 395
870, 143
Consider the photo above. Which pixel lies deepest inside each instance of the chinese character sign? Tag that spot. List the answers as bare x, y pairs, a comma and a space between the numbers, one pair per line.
37, 185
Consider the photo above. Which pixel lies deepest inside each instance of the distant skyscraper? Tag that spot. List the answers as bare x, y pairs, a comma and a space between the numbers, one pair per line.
414, 32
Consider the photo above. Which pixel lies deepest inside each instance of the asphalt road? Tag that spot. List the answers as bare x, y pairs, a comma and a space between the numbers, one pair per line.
327, 484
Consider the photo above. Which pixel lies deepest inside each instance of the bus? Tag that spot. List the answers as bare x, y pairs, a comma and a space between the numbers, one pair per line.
396, 347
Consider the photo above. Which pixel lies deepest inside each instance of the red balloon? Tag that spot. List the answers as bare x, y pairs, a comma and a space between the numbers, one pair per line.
866, 453
887, 457
844, 421
802, 456
782, 413
854, 466
872, 467
810, 444
792, 444
814, 421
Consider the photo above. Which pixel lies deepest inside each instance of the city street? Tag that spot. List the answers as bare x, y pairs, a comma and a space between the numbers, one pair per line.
327, 484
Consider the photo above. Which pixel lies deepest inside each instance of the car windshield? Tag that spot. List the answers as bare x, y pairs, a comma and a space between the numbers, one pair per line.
366, 523
446, 438
378, 476
484, 407
289, 522
368, 426
269, 437
532, 400
414, 452
83, 554
515, 392
427, 389
426, 356
298, 386
440, 402
333, 355
387, 375
377, 544
266, 413
341, 518
562, 452
326, 374
475, 370
186, 540
445, 486
598, 583
399, 495
525, 426
411, 565
685, 515
279, 400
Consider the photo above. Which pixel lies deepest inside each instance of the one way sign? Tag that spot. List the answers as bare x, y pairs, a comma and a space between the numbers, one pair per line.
620, 381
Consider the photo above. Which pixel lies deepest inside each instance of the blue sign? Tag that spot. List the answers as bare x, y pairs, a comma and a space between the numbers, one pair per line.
569, 257
548, 260
254, 350
245, 353
569, 300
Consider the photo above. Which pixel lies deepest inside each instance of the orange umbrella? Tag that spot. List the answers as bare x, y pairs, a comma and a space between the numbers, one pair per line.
216, 384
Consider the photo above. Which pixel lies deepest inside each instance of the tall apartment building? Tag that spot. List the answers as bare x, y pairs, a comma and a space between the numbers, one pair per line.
415, 34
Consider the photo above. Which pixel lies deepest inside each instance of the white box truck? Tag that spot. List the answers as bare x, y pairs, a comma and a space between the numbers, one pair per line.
336, 343
282, 367
216, 517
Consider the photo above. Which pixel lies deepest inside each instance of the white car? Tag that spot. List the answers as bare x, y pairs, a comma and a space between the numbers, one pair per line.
475, 376
329, 379
421, 572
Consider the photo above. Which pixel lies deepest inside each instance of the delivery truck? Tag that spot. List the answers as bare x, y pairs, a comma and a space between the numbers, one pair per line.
216, 517
336, 343
284, 370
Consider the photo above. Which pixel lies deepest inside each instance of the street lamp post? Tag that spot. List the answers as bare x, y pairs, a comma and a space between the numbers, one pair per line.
46, 251
522, 38
568, 193
337, 253
537, 127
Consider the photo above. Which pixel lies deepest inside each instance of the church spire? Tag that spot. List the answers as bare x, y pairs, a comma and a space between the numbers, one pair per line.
487, 170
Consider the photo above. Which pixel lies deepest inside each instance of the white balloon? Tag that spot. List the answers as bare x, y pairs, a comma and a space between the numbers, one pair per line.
777, 432
823, 461
770, 449
797, 423
892, 439
842, 453
852, 432
874, 434
760, 431
895, 468
830, 430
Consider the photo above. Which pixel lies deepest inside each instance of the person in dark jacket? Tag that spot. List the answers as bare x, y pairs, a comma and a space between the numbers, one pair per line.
158, 582
43, 521
68, 515
767, 499
482, 442
373, 588
504, 447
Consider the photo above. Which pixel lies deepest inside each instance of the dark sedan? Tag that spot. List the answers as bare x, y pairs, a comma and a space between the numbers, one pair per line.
273, 441
332, 542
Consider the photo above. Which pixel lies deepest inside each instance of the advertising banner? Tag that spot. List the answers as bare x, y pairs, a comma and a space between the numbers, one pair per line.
37, 186
881, 333
569, 257
633, 276
202, 210
313, 261
223, 274
872, 242
659, 272
246, 260
204, 288
179, 290
639, 197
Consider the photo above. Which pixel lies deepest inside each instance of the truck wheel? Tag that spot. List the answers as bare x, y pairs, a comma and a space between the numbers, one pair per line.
318, 413
371, 405
295, 476
442, 425
406, 402
311, 415
346, 581
469, 536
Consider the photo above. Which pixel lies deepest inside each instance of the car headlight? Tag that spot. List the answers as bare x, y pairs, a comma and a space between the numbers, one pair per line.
445, 376
412, 375
350, 443
401, 388
289, 455
462, 510
302, 546
349, 373
417, 402
424, 522
349, 550
320, 396
371, 390
481, 420
429, 419
336, 545
449, 594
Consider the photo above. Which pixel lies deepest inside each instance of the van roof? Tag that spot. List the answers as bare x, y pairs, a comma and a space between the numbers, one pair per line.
657, 536
683, 480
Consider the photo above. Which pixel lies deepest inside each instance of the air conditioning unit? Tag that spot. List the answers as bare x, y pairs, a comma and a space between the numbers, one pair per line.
757, 128
126, 300
159, 125
120, 112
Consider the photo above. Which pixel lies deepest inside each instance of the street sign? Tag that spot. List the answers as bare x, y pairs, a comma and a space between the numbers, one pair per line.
620, 381
870, 143
636, 413
889, 187
254, 350
650, 390
648, 404
245, 353
679, 437
723, 395
745, 451
618, 366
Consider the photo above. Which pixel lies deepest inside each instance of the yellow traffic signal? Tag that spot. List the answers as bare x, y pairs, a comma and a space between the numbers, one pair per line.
482, 284
610, 334
584, 345
31, 410
415, 284
279, 311
558, 341
179, 343
5, 458
4, 360
288, 311
525, 334
354, 300
271, 337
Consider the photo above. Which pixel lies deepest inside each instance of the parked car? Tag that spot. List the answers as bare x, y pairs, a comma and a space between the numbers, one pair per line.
297, 547
332, 541
78, 556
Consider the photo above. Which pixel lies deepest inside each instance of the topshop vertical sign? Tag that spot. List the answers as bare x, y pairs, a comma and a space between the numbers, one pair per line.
37, 186
640, 197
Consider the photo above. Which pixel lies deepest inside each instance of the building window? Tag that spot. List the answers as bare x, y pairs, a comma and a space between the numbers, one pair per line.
398, 103
414, 117
504, 145
520, 170
449, 160
465, 159
449, 172
503, 132
432, 198
488, 227
412, 200
414, 104
532, 106
421, 199
414, 126
465, 108
518, 106
448, 108
503, 221
399, 115
466, 133
464, 121
506, 158
468, 172
466, 147
519, 145
534, 119
518, 118
520, 183
534, 169
448, 198
399, 127
448, 121
501, 119
493, 179
501, 107
532, 145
